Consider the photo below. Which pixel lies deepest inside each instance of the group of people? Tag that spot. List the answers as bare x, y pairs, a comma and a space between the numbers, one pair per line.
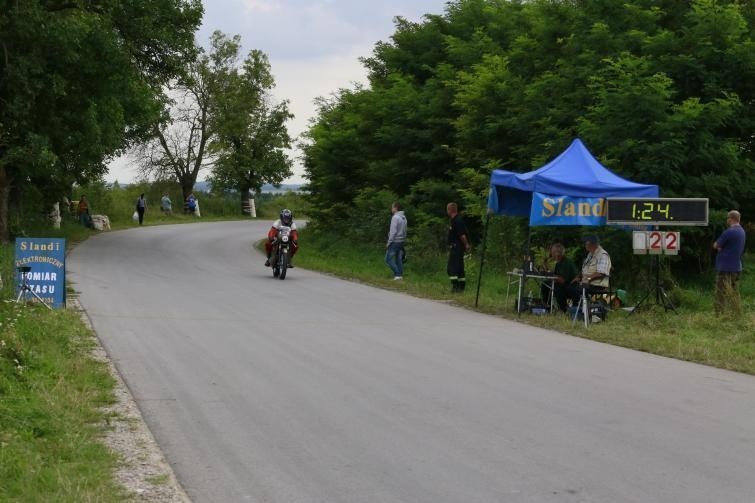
569, 283
166, 206
192, 204
140, 208
459, 244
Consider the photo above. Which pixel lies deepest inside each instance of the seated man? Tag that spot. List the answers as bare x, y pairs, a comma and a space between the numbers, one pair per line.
564, 271
596, 269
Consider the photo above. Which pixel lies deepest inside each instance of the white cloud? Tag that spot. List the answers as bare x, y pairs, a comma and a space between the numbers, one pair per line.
260, 5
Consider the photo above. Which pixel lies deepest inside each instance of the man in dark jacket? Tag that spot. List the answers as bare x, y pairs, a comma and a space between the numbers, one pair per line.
564, 271
458, 245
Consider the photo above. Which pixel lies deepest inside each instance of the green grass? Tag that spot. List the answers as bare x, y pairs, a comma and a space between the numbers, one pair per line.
52, 394
693, 333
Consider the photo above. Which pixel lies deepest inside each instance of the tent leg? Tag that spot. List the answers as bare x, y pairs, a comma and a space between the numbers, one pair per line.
529, 239
482, 257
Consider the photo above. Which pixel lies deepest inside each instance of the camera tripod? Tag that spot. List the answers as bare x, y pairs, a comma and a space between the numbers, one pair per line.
661, 296
26, 289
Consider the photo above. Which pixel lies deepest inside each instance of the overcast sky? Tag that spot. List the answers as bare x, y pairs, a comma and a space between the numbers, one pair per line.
313, 46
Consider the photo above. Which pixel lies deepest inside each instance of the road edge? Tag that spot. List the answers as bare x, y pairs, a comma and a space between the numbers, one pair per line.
142, 469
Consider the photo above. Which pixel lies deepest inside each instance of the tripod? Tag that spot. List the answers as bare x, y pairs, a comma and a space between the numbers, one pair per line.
25, 270
661, 297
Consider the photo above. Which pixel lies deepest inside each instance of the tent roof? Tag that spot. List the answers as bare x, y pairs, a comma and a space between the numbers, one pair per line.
574, 173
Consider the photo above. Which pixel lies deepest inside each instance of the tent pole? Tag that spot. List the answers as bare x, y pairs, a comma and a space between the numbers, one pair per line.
482, 257
529, 238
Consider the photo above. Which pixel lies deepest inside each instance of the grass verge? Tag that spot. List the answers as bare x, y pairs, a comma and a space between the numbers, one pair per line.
53, 392
692, 333
51, 421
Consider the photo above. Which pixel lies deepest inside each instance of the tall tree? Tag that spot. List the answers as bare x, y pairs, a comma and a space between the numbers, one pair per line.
661, 91
79, 81
251, 135
178, 148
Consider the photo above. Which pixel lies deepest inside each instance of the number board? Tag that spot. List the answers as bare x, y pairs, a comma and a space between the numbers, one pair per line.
656, 211
656, 242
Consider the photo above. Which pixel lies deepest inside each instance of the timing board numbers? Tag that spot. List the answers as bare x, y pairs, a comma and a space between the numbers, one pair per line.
656, 211
656, 242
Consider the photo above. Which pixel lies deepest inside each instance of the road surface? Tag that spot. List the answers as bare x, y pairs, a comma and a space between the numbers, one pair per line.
315, 389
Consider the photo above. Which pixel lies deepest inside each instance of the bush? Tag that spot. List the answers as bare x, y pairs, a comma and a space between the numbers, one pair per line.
269, 205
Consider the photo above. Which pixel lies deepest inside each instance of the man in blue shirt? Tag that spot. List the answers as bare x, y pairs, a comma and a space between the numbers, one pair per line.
730, 247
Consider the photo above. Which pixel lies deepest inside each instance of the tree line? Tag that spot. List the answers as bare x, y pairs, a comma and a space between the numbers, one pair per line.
660, 91
84, 82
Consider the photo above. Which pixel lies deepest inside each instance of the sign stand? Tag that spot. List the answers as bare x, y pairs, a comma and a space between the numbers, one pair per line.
661, 296
25, 270
656, 211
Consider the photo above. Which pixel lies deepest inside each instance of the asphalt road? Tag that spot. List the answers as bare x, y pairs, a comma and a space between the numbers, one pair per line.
315, 389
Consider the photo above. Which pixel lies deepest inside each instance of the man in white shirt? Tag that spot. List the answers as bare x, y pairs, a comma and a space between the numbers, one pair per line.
596, 270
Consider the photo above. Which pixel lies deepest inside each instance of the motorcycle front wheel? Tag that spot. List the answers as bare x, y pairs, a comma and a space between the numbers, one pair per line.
283, 265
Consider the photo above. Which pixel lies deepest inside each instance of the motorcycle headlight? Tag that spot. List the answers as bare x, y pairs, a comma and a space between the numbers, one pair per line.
285, 239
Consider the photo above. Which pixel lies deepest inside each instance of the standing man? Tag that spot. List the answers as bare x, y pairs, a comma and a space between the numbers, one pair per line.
83, 211
730, 247
191, 204
166, 205
458, 244
141, 205
394, 249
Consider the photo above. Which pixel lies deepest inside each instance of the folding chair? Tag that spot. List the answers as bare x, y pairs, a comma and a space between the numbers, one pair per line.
587, 305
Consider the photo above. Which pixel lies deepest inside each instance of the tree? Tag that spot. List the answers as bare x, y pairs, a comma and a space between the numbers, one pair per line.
251, 133
661, 91
79, 82
178, 148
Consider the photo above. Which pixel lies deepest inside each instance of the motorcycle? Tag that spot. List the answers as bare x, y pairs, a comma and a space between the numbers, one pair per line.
281, 255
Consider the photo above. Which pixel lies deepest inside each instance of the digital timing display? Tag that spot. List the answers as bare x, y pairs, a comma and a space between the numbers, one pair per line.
657, 211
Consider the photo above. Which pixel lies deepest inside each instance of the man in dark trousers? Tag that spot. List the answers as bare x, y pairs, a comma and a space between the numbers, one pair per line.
141, 205
458, 245
730, 246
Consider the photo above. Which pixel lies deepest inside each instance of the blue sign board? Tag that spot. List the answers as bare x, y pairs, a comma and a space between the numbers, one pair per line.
41, 265
565, 210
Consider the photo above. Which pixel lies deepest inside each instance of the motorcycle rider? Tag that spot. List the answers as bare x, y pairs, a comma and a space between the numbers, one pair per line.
287, 219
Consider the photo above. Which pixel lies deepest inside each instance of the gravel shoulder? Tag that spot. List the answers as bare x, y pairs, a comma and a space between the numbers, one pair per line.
143, 470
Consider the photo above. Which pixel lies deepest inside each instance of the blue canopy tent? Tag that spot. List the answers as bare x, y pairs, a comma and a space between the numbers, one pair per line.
575, 173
